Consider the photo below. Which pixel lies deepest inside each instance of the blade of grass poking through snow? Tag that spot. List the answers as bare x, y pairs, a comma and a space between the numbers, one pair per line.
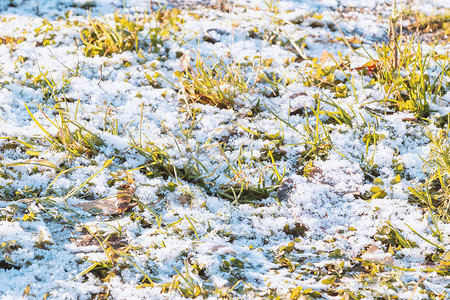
385, 264
425, 239
48, 137
42, 163
140, 124
87, 270
174, 223
17, 140
430, 207
291, 40
76, 189
317, 136
275, 169
192, 226
403, 241
61, 173
341, 116
157, 216
284, 121
248, 130
76, 109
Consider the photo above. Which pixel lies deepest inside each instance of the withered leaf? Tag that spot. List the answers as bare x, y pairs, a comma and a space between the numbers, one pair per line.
215, 248
115, 205
113, 241
183, 199
372, 249
380, 257
371, 66
106, 207
185, 60
325, 57
286, 189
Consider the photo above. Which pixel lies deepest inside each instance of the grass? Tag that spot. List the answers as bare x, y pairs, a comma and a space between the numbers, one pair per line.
436, 23
214, 83
104, 40
406, 82
434, 193
71, 137
129, 33
226, 147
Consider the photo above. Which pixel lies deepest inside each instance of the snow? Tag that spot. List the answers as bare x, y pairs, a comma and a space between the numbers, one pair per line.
180, 223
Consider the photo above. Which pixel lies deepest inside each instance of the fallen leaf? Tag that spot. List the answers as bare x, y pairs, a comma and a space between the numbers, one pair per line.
372, 249
112, 240
286, 189
185, 60
409, 119
115, 205
217, 247
375, 254
371, 67
130, 179
388, 259
293, 96
326, 57
105, 207
227, 250
354, 40
125, 194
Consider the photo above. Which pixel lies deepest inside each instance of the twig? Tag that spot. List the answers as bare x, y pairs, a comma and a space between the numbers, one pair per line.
101, 74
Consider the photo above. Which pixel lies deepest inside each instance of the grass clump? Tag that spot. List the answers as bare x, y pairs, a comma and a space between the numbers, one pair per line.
324, 76
404, 77
193, 283
435, 191
220, 85
160, 164
116, 255
130, 34
436, 24
103, 39
50, 88
77, 142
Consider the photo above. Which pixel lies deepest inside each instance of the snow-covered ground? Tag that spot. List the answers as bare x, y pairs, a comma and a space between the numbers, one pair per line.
297, 218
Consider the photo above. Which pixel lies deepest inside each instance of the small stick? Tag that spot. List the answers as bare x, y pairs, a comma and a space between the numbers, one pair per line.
101, 74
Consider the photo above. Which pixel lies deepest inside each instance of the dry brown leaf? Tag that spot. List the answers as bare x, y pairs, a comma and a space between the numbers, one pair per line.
226, 251
217, 247
107, 207
123, 202
183, 199
371, 67
286, 189
372, 249
11, 40
130, 179
388, 260
380, 257
113, 241
354, 40
185, 60
326, 57
116, 205
125, 194
409, 119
